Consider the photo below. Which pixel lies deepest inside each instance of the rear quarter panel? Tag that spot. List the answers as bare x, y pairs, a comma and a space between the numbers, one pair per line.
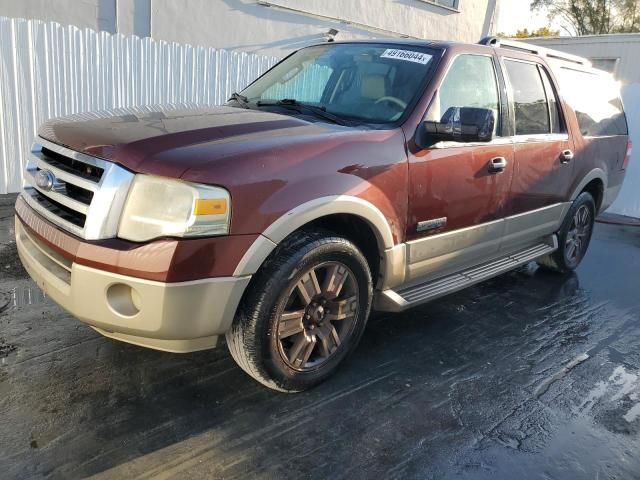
592, 153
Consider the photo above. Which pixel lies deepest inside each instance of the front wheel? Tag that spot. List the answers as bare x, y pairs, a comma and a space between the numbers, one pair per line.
305, 312
574, 236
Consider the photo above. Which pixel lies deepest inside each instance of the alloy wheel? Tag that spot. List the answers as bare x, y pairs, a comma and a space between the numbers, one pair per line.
319, 316
578, 235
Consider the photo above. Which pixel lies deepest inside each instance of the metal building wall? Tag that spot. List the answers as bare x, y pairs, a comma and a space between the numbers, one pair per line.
48, 70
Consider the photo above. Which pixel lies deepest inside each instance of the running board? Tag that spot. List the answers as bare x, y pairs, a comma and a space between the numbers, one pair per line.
407, 297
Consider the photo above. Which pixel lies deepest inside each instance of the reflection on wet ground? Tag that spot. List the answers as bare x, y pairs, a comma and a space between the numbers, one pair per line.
531, 375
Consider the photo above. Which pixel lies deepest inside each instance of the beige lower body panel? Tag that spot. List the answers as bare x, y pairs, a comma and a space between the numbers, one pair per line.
610, 195
446, 253
173, 346
527, 228
176, 317
440, 254
424, 290
395, 267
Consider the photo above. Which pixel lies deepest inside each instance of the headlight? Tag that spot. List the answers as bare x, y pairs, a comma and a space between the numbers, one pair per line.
159, 207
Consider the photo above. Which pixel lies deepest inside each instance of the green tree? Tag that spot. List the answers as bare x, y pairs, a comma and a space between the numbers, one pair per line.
592, 17
541, 32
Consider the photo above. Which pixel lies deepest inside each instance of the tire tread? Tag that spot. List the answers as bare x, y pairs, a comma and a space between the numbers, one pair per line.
555, 261
242, 339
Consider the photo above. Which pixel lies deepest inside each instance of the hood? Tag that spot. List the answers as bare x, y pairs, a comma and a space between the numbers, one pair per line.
160, 141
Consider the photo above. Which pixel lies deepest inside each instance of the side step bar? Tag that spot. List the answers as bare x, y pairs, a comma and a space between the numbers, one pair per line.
410, 296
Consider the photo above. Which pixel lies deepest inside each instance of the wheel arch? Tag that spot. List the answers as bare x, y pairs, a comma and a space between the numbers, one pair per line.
330, 213
594, 182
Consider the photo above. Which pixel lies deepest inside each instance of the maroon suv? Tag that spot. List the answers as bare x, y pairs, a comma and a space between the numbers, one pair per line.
350, 176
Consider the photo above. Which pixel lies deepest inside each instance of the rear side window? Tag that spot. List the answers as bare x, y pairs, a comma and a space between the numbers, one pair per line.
554, 105
529, 98
596, 100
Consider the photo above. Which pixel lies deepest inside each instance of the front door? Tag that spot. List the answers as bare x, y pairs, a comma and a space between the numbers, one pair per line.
543, 156
456, 193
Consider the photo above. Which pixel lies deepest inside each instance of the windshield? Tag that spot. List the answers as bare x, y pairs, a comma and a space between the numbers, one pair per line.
367, 82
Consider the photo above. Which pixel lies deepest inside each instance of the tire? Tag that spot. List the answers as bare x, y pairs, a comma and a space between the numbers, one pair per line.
574, 236
291, 332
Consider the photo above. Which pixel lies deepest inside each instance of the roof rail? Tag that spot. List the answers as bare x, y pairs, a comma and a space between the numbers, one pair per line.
534, 49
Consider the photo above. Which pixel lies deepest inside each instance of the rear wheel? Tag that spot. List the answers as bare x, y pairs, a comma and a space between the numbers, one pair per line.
305, 312
574, 236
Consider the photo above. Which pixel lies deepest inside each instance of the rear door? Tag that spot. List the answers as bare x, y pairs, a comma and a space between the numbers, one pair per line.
543, 154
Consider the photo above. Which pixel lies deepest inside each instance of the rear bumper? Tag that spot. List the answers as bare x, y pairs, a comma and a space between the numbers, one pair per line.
175, 317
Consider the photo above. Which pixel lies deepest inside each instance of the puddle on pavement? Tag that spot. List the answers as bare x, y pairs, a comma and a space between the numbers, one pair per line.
20, 294
620, 394
7, 229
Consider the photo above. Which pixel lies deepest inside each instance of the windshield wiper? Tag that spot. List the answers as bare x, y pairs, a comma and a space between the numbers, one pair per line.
299, 106
241, 99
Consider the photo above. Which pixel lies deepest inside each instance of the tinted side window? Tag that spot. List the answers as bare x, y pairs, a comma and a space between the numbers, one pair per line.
596, 100
554, 105
530, 102
470, 82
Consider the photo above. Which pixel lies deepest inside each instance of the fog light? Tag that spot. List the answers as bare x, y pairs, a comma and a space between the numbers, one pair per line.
123, 300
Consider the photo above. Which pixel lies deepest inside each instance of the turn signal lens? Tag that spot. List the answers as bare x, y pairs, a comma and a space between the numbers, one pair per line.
210, 206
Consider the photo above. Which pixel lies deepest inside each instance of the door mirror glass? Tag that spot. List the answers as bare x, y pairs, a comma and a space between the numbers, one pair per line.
463, 124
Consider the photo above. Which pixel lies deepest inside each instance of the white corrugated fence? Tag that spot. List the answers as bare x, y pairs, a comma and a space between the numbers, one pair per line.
48, 70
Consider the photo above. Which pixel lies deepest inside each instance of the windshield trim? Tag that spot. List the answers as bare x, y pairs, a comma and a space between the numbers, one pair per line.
438, 53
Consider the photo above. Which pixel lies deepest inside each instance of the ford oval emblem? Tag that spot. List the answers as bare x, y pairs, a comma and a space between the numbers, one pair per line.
45, 180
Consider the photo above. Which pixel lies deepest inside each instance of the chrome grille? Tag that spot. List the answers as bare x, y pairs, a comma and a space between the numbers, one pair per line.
58, 209
82, 169
78, 192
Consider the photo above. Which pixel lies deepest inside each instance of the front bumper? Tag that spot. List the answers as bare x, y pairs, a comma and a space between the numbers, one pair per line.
174, 317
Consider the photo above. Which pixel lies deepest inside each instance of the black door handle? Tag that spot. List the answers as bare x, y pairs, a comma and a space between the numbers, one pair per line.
566, 156
497, 164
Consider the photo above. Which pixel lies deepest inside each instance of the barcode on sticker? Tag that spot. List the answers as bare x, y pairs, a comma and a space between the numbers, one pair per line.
407, 55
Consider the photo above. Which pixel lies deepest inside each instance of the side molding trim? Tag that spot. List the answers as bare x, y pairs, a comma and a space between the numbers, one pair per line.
323, 206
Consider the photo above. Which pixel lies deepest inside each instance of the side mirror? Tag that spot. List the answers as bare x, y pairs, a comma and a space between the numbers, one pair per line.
462, 124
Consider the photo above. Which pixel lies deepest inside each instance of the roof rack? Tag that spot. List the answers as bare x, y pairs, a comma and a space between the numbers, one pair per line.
534, 49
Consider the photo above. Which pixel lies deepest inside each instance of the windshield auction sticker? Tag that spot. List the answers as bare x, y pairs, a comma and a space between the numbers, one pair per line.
407, 55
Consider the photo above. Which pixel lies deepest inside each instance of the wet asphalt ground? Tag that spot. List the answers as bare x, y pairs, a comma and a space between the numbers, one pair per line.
529, 376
